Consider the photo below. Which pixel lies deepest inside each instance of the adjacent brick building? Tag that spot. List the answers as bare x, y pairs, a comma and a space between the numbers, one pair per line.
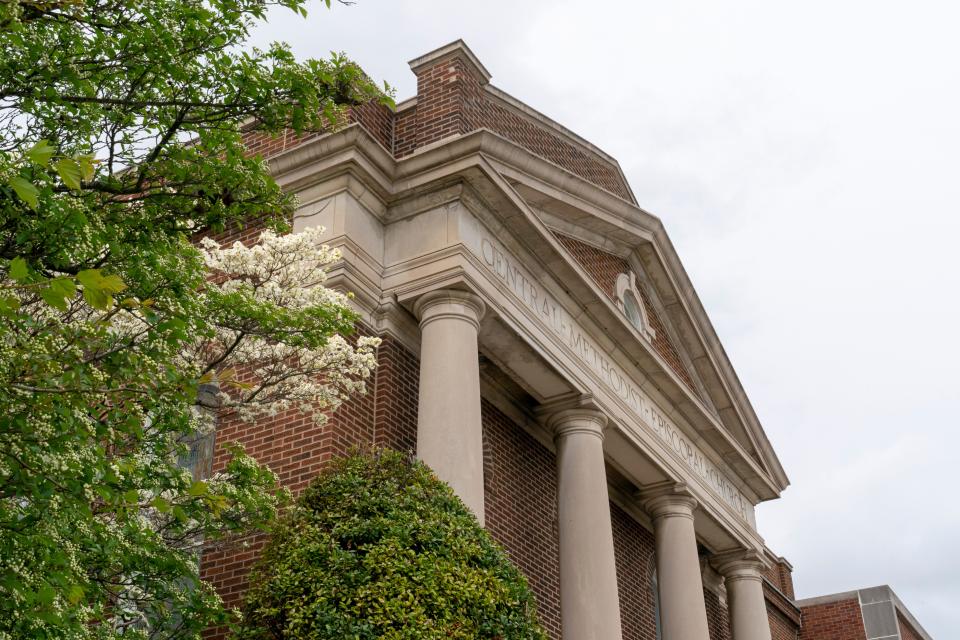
545, 352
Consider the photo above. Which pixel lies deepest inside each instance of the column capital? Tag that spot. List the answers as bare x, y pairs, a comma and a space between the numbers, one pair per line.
451, 304
668, 499
739, 564
581, 420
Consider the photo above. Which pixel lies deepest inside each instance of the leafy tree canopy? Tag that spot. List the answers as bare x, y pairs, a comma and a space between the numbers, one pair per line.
120, 142
378, 547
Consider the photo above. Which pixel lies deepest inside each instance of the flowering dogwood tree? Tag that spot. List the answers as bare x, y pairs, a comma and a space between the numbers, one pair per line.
100, 527
120, 141
285, 273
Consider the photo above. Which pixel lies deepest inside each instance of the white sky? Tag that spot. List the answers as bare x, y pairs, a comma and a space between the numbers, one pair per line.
804, 159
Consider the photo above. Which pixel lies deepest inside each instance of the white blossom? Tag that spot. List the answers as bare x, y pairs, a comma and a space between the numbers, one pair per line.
261, 377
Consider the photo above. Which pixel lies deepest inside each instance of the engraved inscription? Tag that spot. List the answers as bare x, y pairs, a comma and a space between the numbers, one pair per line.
537, 300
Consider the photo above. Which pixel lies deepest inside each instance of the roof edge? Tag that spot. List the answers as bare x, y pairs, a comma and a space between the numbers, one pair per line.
456, 49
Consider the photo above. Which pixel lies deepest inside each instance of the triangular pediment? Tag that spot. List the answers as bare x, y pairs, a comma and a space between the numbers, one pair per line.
602, 248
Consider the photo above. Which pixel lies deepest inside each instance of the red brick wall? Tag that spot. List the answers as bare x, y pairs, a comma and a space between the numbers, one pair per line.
785, 574
531, 136
266, 145
783, 615
781, 627
718, 620
633, 547
833, 621
405, 132
396, 396
451, 101
772, 574
448, 99
378, 120
780, 576
520, 478
906, 631
604, 268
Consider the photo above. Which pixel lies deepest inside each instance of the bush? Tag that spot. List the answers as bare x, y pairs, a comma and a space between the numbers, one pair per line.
378, 547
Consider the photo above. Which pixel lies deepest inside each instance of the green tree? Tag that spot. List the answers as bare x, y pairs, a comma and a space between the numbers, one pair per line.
378, 547
120, 142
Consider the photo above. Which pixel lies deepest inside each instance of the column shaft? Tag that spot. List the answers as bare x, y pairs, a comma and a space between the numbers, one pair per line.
746, 604
449, 431
589, 601
683, 612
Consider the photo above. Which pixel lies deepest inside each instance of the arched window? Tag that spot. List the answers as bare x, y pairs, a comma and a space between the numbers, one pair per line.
631, 303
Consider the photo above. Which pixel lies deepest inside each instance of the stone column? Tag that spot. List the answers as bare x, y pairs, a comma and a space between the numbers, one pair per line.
743, 577
449, 433
589, 602
683, 612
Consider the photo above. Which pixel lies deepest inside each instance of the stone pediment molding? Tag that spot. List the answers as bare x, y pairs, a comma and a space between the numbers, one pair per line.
493, 171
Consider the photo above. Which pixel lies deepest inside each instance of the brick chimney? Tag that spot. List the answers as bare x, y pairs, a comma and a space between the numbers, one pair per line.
449, 82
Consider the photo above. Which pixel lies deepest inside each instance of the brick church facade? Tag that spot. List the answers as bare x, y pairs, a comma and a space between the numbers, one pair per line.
544, 351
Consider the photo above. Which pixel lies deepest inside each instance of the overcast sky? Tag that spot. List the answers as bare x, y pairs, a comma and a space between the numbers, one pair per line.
804, 158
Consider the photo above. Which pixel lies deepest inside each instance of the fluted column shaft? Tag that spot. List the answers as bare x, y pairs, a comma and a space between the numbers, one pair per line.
743, 579
589, 602
449, 431
683, 612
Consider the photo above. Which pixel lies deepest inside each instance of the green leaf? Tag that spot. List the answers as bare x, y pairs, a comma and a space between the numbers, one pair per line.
8, 304
18, 269
46, 594
70, 172
75, 594
131, 496
112, 284
57, 292
161, 505
54, 298
97, 298
65, 286
98, 289
198, 488
25, 191
90, 277
86, 163
40, 153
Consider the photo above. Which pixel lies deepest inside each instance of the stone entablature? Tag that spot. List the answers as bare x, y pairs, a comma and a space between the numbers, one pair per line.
648, 414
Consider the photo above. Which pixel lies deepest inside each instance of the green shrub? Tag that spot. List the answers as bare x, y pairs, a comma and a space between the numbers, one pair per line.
378, 547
